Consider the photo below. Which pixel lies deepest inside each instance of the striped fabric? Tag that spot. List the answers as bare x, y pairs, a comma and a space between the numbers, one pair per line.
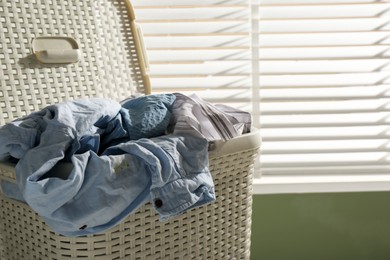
193, 115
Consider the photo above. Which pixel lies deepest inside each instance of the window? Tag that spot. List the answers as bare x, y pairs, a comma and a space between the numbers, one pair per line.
314, 74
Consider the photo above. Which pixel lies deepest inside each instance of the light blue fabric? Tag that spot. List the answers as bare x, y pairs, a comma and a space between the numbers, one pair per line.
83, 166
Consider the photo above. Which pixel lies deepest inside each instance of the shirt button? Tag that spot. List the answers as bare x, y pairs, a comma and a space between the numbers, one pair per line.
158, 203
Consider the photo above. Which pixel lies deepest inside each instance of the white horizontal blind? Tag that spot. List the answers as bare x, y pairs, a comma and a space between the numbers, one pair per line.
325, 86
200, 46
321, 68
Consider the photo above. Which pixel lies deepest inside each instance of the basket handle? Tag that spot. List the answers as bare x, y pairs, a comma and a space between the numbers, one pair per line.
140, 48
142, 45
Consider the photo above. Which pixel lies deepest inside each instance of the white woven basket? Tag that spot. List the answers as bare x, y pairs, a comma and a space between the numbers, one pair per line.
112, 65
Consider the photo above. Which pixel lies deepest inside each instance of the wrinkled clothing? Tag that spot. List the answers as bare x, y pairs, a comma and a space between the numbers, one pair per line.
192, 115
114, 169
86, 124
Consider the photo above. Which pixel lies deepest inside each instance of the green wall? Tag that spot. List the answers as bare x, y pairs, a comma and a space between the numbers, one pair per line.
346, 226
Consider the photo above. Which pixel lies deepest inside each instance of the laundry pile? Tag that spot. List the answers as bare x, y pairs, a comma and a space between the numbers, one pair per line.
85, 165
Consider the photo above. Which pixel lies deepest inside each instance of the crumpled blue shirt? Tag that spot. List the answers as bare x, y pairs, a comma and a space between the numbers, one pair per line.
85, 165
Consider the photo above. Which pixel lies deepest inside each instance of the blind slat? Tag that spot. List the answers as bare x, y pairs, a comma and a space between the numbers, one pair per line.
374, 132
196, 42
324, 39
318, 94
318, 2
185, 3
337, 80
326, 170
329, 106
271, 54
330, 10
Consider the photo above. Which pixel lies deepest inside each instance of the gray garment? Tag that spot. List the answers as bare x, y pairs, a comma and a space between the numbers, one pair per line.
192, 115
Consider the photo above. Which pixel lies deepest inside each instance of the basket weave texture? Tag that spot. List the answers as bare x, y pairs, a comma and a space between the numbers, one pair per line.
110, 67
220, 230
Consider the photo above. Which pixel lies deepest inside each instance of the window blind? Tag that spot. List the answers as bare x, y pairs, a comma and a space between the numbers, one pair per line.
324, 73
314, 74
199, 47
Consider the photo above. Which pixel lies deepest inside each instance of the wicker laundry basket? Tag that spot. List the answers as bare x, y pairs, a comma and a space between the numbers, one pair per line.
111, 63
